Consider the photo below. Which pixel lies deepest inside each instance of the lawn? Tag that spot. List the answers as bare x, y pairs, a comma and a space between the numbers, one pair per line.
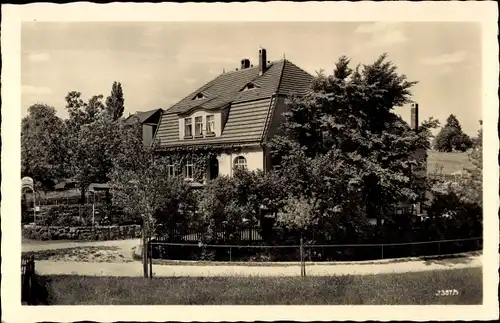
385, 289
447, 163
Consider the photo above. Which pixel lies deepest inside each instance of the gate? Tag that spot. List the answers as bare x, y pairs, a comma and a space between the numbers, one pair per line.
27, 279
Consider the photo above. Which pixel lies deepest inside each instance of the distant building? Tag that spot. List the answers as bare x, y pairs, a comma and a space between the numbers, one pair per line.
149, 121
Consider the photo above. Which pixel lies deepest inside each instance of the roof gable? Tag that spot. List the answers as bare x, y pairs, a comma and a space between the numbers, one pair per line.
143, 116
248, 107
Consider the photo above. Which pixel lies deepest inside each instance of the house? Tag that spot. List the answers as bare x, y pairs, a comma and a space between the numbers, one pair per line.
149, 121
236, 113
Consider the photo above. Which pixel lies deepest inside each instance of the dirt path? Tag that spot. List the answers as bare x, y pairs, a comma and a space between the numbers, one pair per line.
30, 245
116, 251
45, 267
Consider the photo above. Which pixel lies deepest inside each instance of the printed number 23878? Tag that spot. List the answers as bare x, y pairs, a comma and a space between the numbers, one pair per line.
447, 292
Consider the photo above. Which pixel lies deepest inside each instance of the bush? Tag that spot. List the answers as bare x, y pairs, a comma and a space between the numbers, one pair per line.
67, 215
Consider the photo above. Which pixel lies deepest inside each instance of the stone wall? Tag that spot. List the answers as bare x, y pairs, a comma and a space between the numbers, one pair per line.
97, 233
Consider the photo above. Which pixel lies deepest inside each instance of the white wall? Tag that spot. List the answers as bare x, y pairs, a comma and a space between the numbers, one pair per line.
254, 157
200, 113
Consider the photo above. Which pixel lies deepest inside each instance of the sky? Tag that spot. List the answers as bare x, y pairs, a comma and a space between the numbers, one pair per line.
158, 64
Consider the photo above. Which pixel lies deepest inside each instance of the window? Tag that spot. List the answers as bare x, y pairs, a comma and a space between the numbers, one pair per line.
198, 122
210, 125
188, 127
240, 162
199, 96
189, 169
170, 171
249, 86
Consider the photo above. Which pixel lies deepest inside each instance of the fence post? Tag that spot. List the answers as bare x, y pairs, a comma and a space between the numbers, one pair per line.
382, 248
439, 248
150, 259
302, 272
30, 278
230, 256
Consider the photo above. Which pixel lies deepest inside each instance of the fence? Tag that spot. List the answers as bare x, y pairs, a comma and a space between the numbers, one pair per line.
27, 279
304, 253
248, 234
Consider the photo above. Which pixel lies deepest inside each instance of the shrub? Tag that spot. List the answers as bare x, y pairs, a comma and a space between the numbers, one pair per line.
67, 215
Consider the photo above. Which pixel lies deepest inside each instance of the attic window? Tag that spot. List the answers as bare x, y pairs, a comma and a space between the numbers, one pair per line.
249, 86
199, 96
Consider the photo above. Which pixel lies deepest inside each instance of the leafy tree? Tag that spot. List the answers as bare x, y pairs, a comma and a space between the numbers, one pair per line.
115, 102
451, 137
140, 187
343, 145
43, 148
85, 141
478, 140
470, 189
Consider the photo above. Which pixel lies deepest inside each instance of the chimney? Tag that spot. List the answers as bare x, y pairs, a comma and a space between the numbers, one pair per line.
262, 61
414, 116
245, 63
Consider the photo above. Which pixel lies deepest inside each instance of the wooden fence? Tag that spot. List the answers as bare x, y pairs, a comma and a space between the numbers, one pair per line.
246, 234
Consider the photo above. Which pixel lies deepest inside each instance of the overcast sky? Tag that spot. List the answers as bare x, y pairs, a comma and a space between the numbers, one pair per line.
160, 63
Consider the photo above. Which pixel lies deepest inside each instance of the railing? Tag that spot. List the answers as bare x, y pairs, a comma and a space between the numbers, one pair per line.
304, 251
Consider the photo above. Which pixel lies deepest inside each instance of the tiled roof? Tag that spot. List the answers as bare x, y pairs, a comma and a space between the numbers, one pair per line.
142, 115
248, 110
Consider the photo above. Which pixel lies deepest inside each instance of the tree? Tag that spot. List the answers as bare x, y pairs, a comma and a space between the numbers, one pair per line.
451, 137
140, 187
84, 141
470, 189
114, 102
43, 148
478, 140
343, 145
457, 207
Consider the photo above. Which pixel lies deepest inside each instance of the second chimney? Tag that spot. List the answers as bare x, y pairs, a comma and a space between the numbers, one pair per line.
245, 63
262, 61
414, 116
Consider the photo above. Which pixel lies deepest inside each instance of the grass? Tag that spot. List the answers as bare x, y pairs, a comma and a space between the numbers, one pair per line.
447, 163
386, 289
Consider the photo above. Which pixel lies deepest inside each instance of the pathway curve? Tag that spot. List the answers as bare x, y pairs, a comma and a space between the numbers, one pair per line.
134, 268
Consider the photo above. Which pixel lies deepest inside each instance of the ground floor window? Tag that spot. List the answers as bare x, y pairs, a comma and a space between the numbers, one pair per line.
189, 170
170, 171
240, 162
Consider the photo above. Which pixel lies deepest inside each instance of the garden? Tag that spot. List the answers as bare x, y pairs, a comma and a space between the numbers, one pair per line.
342, 157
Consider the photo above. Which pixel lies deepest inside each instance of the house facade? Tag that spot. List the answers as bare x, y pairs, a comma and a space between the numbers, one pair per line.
231, 118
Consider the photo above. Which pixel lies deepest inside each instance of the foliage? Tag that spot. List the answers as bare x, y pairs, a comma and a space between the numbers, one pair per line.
344, 146
115, 102
451, 137
297, 213
141, 187
96, 138
68, 215
478, 140
43, 148
198, 156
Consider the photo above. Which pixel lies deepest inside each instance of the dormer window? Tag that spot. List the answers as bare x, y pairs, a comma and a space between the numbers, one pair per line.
249, 86
198, 122
210, 125
199, 96
188, 128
